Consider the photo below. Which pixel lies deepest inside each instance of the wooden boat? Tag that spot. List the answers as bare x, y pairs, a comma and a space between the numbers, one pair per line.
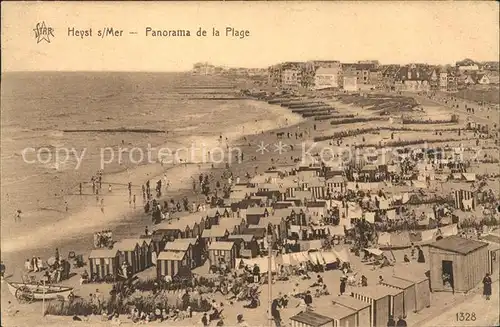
28, 292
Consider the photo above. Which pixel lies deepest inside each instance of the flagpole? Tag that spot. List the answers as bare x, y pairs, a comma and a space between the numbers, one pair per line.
43, 299
270, 272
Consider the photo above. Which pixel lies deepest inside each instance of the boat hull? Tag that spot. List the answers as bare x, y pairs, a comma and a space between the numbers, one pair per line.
40, 292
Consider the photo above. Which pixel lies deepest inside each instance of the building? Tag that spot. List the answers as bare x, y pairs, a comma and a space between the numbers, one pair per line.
198, 248
222, 253
104, 263
379, 298
452, 81
412, 78
342, 316
130, 252
457, 264
147, 249
184, 247
482, 79
291, 78
422, 291
443, 81
350, 83
326, 78
363, 309
171, 264
246, 245
361, 71
326, 64
468, 68
408, 289
389, 73
311, 319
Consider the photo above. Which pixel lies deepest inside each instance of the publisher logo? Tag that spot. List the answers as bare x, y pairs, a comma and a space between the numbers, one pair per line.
43, 32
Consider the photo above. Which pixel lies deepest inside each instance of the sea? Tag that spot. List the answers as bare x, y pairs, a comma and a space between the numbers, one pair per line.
37, 109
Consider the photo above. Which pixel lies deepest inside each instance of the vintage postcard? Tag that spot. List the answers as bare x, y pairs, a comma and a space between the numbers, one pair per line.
298, 164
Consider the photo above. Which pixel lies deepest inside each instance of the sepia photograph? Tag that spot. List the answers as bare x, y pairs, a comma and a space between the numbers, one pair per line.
250, 164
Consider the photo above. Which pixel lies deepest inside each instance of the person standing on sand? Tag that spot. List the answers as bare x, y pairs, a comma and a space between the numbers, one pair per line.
129, 188
2, 270
487, 286
80, 188
133, 200
102, 206
17, 216
66, 205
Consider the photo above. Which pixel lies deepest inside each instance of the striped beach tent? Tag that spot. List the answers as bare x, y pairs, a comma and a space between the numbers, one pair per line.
465, 200
130, 252
103, 262
170, 263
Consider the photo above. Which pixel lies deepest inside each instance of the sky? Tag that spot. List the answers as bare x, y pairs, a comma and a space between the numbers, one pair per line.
391, 32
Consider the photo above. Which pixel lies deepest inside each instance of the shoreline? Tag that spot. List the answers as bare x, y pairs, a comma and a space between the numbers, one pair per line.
73, 232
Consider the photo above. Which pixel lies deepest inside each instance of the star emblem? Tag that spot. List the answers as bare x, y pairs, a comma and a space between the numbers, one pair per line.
43, 33
262, 148
280, 147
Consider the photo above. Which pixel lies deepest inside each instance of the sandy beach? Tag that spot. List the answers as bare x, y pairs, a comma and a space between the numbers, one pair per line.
74, 231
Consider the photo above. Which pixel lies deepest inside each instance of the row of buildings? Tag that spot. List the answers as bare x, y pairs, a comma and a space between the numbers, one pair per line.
370, 74
205, 68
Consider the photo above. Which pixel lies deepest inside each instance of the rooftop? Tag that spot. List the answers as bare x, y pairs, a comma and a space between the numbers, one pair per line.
103, 253
311, 318
339, 312
127, 244
491, 238
458, 244
177, 246
376, 291
397, 282
215, 231
226, 246
170, 255
350, 302
244, 237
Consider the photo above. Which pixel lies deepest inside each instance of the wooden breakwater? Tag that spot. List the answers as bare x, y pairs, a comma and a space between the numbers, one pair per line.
306, 105
281, 100
300, 110
316, 113
329, 116
356, 120
115, 130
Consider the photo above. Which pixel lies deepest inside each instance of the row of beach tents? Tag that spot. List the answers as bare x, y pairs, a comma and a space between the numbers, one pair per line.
296, 258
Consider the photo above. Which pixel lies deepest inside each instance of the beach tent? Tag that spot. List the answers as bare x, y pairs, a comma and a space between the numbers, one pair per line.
316, 257
374, 251
353, 210
429, 235
300, 257
329, 257
130, 252
336, 230
262, 263
370, 216
343, 255
170, 263
401, 239
286, 260
104, 262
310, 245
